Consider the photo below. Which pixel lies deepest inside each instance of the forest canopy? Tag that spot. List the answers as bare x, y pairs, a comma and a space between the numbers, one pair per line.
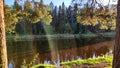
29, 12
35, 17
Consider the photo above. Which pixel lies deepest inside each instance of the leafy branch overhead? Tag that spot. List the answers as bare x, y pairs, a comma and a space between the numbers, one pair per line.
91, 15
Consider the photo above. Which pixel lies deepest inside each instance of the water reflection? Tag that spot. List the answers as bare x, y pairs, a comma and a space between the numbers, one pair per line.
20, 50
85, 52
11, 64
64, 50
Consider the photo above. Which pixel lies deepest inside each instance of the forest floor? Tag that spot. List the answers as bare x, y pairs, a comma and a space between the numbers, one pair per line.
59, 36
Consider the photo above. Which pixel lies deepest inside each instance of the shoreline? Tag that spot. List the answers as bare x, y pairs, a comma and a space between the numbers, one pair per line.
59, 36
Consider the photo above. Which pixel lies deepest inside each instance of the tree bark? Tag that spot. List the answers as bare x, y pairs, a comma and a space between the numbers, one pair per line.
3, 49
116, 56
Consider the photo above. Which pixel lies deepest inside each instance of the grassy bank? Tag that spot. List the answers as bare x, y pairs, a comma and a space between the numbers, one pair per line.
44, 66
105, 62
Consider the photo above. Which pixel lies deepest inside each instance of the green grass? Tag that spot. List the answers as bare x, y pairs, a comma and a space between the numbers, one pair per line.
108, 34
90, 61
59, 36
44, 66
88, 35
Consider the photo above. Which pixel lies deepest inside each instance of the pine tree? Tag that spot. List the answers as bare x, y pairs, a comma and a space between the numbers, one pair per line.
69, 22
68, 13
41, 1
51, 6
16, 6
62, 18
59, 19
55, 19
71, 14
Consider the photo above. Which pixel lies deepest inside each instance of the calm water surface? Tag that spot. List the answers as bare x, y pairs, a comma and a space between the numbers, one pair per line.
56, 50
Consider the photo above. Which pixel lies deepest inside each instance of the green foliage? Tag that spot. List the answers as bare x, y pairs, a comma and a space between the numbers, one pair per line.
88, 35
90, 61
106, 18
16, 6
44, 66
86, 16
108, 34
32, 61
35, 12
62, 20
48, 29
25, 65
90, 15
32, 12
10, 19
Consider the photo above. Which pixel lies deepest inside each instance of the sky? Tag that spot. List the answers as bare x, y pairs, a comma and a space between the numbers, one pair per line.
55, 2
105, 2
59, 2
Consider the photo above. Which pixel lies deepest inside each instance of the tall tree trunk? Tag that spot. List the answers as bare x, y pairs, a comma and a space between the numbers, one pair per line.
116, 56
3, 50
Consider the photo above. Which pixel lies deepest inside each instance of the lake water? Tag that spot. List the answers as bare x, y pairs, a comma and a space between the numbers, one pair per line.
22, 52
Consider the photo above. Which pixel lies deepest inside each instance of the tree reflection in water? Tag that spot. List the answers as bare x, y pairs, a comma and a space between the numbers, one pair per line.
64, 50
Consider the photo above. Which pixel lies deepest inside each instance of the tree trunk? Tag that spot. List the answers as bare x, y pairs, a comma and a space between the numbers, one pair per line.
3, 50
116, 56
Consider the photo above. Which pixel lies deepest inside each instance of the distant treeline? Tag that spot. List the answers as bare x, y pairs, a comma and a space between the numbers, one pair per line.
37, 18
